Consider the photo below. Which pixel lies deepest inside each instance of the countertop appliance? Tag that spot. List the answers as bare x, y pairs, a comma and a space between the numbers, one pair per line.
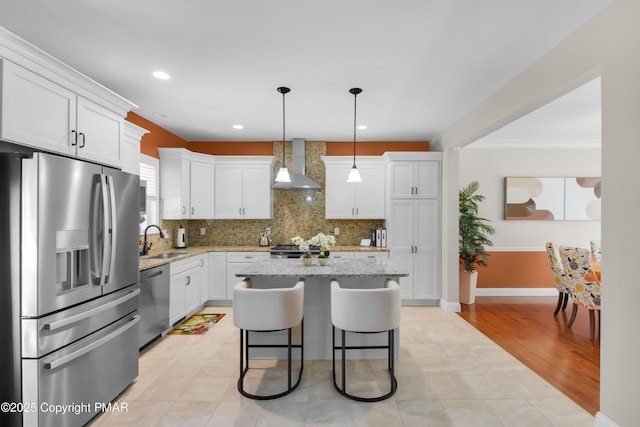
291, 251
69, 294
154, 303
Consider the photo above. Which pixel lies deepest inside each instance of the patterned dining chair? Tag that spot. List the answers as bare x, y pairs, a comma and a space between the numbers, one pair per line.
596, 250
553, 251
583, 283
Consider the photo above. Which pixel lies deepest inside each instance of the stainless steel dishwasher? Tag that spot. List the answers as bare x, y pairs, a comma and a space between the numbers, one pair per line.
154, 303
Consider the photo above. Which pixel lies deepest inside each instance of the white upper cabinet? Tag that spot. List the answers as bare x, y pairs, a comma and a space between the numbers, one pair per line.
361, 200
130, 147
414, 179
38, 112
243, 187
186, 183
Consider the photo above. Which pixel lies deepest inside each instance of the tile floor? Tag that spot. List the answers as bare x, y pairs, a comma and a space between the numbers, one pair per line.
449, 374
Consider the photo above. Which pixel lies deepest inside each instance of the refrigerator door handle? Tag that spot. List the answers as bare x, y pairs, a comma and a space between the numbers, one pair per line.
52, 326
56, 363
114, 226
105, 232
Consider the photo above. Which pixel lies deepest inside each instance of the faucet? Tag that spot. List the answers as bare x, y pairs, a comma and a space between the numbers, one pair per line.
147, 247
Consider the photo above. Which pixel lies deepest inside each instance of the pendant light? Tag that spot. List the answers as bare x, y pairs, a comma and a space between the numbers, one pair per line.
354, 174
283, 172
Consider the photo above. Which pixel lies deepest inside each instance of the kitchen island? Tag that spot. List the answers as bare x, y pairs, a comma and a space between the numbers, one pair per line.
351, 273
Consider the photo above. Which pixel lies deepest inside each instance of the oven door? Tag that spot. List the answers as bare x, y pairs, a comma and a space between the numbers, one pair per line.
83, 376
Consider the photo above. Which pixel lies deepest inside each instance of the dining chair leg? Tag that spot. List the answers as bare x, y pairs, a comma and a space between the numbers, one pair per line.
573, 315
592, 324
566, 300
559, 304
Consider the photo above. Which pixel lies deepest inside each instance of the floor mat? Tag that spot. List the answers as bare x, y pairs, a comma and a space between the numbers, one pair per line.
198, 324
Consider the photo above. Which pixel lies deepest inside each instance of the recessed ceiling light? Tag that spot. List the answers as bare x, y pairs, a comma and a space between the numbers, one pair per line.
362, 127
238, 127
161, 75
160, 115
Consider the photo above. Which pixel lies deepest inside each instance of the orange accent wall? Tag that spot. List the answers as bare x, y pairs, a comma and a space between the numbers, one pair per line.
377, 148
157, 136
232, 148
516, 270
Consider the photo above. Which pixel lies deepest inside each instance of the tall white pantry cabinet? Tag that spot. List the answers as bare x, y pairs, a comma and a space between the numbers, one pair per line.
413, 222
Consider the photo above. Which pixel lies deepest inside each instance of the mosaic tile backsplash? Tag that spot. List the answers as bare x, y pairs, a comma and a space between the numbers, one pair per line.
299, 212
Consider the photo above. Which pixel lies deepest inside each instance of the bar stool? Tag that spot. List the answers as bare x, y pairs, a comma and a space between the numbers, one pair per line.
374, 310
268, 310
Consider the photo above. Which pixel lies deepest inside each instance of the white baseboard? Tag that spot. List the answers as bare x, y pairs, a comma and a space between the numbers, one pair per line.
516, 292
603, 421
450, 307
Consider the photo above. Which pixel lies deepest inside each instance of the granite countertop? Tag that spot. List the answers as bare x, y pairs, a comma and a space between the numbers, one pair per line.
335, 268
147, 261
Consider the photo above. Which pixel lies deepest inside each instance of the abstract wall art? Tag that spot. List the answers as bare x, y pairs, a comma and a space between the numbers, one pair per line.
552, 199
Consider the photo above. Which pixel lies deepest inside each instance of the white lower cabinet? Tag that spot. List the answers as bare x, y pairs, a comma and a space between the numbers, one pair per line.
217, 275
187, 278
372, 256
342, 255
236, 261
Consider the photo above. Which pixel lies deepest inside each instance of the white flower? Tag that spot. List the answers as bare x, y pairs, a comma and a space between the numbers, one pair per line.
302, 244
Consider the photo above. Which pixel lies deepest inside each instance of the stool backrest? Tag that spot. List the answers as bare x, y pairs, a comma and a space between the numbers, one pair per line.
267, 309
366, 310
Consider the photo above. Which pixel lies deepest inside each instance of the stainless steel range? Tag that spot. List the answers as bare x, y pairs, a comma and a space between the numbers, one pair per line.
291, 251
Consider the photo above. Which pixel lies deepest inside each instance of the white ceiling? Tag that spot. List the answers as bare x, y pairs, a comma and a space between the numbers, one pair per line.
422, 63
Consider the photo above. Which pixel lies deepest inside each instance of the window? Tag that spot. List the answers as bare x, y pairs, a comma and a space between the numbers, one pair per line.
149, 173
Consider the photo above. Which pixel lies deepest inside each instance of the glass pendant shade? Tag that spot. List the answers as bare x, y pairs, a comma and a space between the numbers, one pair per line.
283, 175
283, 172
354, 175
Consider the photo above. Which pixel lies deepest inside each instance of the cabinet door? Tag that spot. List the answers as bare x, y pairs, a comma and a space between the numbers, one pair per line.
100, 132
372, 256
426, 229
257, 201
204, 278
201, 194
339, 195
177, 297
369, 194
427, 179
218, 276
232, 269
192, 290
401, 242
401, 180
36, 112
228, 191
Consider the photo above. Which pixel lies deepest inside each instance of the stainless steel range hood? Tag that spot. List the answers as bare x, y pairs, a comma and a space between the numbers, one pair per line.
299, 181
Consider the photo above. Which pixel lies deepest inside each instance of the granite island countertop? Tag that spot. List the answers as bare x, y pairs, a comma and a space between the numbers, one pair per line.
335, 268
148, 261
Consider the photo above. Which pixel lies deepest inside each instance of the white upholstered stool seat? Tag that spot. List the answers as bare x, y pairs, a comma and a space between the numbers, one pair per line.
373, 310
268, 310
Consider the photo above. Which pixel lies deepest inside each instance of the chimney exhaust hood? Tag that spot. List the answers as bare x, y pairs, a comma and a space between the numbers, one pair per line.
299, 181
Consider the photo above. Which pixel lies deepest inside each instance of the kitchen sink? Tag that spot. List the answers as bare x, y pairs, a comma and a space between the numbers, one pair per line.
167, 255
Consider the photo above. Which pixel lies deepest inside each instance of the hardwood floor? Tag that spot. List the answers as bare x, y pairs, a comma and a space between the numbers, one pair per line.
526, 328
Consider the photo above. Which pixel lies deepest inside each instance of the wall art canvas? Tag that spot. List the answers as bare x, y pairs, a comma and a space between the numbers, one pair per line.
529, 198
582, 198
552, 199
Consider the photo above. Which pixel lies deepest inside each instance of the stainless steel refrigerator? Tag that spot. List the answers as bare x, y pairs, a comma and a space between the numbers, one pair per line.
68, 288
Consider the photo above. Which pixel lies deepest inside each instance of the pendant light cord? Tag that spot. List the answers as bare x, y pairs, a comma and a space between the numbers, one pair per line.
355, 106
284, 163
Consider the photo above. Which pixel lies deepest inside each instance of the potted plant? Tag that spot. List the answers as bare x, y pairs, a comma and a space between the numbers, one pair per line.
473, 231
303, 245
325, 242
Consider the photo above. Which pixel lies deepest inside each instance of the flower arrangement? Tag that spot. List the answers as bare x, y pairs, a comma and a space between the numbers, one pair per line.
325, 242
303, 245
